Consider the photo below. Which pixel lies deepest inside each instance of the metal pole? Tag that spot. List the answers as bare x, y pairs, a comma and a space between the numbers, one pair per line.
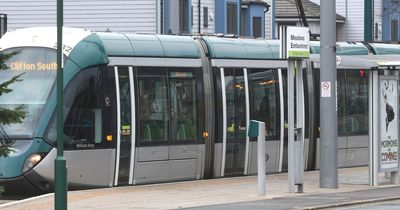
299, 143
373, 104
261, 158
273, 20
240, 18
291, 157
328, 102
199, 21
60, 162
368, 21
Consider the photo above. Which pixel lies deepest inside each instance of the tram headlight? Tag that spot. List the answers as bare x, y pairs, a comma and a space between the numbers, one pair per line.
31, 161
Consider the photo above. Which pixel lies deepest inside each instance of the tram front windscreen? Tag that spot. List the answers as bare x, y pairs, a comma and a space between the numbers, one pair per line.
35, 70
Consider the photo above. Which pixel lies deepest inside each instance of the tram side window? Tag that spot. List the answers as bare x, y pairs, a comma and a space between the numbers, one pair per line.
82, 112
153, 105
235, 104
82, 126
183, 99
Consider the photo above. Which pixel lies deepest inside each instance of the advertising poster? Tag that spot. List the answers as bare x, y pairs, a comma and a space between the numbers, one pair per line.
389, 141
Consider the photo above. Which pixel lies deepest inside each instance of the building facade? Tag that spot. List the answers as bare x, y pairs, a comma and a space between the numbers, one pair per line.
353, 12
248, 18
390, 20
239, 17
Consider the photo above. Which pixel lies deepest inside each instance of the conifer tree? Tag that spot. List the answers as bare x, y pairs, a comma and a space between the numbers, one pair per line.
8, 116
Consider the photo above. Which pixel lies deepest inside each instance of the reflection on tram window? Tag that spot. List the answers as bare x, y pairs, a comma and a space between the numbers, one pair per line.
183, 106
153, 106
265, 106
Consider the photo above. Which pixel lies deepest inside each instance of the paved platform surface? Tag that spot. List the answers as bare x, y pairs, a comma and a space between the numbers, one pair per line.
226, 193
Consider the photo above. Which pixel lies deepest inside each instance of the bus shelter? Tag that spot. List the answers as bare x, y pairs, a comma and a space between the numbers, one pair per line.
383, 110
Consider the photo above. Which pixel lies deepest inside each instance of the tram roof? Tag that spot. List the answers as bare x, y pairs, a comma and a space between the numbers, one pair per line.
343, 48
363, 61
385, 49
230, 48
100, 46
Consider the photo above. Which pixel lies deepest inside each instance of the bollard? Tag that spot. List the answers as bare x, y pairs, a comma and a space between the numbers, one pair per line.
257, 129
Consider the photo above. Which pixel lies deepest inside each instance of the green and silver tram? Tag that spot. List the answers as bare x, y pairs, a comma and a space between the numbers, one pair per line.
155, 108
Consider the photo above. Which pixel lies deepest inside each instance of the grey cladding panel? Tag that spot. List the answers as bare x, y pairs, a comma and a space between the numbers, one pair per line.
182, 169
153, 153
272, 149
357, 141
163, 171
357, 157
90, 167
217, 159
148, 172
183, 152
342, 142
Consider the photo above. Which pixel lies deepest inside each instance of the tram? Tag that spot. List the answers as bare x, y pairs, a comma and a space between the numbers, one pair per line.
159, 108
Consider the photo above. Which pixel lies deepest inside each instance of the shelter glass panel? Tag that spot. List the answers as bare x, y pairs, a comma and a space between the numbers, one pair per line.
357, 102
342, 104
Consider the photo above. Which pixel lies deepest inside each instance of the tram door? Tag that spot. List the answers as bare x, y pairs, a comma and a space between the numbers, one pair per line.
235, 119
125, 125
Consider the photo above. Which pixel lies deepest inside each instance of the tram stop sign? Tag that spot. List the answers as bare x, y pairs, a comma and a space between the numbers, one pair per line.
297, 41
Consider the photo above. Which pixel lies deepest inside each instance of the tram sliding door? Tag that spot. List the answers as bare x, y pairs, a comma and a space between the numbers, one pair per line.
235, 114
244, 94
265, 106
170, 122
125, 125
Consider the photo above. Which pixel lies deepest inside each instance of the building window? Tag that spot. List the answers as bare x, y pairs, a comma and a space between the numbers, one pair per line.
257, 27
232, 16
183, 16
394, 29
177, 16
3, 24
205, 17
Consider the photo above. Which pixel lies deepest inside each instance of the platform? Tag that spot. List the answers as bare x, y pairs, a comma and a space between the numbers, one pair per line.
225, 193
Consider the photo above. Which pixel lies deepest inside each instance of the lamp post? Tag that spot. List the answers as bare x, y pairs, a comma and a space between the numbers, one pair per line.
368, 20
328, 103
60, 170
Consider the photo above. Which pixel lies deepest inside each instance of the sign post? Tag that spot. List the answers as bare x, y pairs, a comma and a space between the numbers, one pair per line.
257, 129
60, 169
295, 46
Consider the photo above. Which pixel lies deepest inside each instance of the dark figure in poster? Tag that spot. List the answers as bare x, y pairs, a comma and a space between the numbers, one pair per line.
389, 108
